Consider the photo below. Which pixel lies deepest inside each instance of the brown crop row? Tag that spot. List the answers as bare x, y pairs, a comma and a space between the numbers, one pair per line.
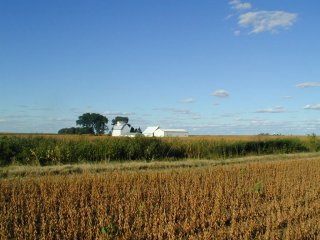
275, 200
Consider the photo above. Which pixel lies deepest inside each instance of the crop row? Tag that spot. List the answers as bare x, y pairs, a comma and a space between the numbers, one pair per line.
50, 151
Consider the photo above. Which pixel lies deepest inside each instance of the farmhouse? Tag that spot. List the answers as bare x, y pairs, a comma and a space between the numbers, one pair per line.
120, 129
160, 132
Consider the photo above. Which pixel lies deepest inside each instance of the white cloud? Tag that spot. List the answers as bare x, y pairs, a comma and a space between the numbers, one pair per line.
271, 110
308, 85
238, 5
187, 100
267, 21
220, 93
312, 107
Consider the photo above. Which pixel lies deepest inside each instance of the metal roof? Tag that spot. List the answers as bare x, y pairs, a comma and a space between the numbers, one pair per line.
174, 130
150, 130
119, 126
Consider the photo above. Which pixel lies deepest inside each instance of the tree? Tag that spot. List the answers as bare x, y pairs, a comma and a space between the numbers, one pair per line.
95, 121
135, 130
66, 131
76, 130
119, 119
85, 120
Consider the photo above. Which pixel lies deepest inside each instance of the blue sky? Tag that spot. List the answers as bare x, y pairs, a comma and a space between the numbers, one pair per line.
212, 67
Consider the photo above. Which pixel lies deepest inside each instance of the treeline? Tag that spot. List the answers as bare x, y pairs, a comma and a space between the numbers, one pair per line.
51, 151
90, 123
96, 124
76, 130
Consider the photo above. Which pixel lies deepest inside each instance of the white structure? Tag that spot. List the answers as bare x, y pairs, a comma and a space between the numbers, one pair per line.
170, 133
159, 132
120, 129
149, 132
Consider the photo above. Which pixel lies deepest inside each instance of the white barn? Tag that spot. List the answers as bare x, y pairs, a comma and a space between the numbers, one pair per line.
120, 129
159, 132
170, 133
149, 132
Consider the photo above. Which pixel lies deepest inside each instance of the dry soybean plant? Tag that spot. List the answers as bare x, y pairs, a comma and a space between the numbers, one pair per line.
276, 200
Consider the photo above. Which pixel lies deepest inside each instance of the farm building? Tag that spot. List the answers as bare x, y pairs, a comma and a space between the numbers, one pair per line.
170, 133
121, 129
149, 132
159, 132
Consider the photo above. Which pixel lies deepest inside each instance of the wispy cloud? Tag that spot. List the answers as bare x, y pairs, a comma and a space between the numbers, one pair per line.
220, 93
277, 109
312, 107
267, 21
256, 126
286, 97
35, 108
227, 115
187, 100
308, 85
238, 5
34, 123
22, 106
119, 113
173, 110
237, 33
180, 112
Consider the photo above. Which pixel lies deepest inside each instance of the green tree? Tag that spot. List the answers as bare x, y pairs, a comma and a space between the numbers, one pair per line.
119, 119
135, 130
95, 121
76, 130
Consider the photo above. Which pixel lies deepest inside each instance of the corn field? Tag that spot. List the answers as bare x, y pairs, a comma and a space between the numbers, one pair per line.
272, 200
55, 150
